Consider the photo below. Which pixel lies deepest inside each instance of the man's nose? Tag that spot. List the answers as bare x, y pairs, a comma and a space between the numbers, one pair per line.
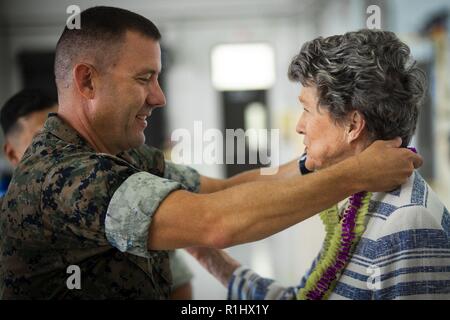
156, 97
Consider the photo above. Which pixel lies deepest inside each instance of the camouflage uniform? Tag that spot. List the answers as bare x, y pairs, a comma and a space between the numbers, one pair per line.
53, 216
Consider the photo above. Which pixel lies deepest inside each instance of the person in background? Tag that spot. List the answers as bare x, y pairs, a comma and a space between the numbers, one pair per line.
21, 118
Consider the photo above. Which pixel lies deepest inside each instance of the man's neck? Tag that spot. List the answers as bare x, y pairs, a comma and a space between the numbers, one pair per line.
81, 124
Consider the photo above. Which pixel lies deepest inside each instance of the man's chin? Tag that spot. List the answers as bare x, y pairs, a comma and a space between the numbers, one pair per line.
138, 142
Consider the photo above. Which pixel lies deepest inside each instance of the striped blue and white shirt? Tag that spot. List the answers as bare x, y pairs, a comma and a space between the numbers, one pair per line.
404, 253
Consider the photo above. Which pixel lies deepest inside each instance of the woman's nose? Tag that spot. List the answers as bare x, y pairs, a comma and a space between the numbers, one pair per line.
300, 128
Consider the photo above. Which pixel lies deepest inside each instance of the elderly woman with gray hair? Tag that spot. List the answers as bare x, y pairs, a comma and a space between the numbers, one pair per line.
356, 88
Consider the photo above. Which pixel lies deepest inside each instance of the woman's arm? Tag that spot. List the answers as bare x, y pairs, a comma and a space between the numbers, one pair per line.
242, 283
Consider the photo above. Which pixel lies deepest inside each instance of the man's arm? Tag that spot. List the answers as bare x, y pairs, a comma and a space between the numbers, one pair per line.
255, 210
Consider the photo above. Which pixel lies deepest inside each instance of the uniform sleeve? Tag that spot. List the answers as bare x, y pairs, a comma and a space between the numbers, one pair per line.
412, 260
181, 273
75, 196
248, 285
131, 209
100, 201
185, 175
152, 160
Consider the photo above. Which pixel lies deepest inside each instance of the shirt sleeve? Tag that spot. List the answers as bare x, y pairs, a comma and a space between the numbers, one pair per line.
152, 160
412, 260
75, 196
185, 175
246, 284
131, 209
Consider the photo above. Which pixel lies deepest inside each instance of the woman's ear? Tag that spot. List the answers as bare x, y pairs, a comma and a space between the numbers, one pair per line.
355, 126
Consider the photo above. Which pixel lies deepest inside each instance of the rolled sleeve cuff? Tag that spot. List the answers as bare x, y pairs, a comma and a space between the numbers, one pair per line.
185, 175
131, 209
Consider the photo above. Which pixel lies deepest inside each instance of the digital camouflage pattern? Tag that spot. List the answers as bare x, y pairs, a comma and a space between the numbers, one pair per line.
129, 232
130, 211
53, 216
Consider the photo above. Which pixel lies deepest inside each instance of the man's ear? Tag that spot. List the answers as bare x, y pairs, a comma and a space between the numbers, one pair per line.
83, 75
11, 154
355, 126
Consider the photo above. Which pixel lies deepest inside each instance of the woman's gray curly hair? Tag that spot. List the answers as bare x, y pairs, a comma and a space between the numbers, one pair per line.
369, 71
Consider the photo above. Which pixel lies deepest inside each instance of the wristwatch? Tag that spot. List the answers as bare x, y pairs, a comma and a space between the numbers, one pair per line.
302, 165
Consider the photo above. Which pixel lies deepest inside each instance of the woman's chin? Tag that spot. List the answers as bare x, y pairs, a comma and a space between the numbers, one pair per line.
315, 165
310, 165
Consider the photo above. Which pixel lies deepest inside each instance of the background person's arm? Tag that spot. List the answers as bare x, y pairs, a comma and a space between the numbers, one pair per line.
255, 210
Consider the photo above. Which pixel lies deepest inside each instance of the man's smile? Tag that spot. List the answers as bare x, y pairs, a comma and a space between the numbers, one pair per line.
142, 119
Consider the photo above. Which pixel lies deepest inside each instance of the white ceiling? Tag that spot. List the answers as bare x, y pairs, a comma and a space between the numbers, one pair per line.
27, 13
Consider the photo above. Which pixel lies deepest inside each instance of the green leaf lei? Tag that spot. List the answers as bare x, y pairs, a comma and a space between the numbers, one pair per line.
331, 249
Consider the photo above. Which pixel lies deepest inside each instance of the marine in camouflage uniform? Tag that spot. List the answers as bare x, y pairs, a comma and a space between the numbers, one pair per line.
54, 213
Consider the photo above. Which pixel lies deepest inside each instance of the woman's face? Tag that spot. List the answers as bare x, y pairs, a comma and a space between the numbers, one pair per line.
326, 142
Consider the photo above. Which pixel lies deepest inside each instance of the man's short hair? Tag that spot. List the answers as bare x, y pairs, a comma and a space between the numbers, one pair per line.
102, 32
22, 104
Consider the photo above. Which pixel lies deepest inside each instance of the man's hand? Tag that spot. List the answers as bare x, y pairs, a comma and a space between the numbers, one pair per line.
217, 262
384, 166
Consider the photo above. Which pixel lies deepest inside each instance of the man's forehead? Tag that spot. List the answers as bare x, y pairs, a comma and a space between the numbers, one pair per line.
141, 52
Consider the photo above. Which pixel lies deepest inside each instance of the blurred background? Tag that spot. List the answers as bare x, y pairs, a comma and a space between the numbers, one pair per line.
209, 75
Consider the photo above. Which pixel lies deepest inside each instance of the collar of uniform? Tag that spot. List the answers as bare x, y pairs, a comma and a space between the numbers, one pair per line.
144, 158
59, 128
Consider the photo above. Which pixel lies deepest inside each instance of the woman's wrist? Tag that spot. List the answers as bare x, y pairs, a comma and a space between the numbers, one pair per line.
222, 266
